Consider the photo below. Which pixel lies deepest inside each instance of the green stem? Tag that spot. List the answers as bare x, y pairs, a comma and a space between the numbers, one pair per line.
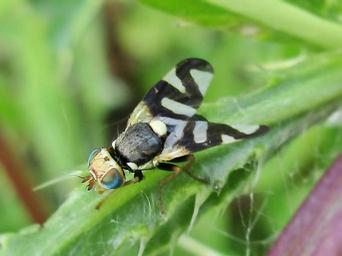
287, 18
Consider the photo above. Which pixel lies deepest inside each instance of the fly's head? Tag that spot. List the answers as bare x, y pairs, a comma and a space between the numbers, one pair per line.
104, 171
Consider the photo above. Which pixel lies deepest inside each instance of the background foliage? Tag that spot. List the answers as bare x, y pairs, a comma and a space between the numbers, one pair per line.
71, 71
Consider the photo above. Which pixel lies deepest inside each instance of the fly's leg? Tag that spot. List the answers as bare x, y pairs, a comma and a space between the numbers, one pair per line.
138, 176
189, 161
90, 180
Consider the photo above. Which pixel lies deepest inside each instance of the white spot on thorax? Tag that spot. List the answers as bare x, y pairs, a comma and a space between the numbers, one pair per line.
177, 107
113, 144
200, 132
173, 79
202, 79
158, 127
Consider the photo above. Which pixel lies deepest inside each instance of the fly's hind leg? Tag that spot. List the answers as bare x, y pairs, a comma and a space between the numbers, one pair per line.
189, 161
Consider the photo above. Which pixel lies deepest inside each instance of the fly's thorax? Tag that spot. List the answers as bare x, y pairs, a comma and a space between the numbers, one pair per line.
139, 144
105, 170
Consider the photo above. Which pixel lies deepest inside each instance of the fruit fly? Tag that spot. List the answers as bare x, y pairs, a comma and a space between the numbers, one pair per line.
164, 129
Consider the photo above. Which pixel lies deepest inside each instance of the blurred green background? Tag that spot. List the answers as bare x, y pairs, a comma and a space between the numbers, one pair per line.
71, 72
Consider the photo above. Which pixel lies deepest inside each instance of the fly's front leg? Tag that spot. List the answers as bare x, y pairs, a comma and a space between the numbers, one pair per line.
189, 161
138, 176
90, 180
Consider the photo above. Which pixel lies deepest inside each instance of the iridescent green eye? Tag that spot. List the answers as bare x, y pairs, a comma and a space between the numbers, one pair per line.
93, 154
112, 179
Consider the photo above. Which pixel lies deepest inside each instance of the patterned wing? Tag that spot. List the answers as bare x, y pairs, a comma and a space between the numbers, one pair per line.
178, 94
188, 136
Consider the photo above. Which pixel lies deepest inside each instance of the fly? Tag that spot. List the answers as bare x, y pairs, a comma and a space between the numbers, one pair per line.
164, 128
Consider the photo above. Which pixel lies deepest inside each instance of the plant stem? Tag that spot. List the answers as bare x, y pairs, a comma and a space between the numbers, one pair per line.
287, 18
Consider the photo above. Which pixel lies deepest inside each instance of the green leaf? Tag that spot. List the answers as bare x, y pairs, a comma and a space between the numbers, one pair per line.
148, 216
327, 9
269, 13
198, 11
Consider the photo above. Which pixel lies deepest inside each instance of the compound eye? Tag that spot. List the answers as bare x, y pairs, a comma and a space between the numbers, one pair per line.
93, 154
112, 179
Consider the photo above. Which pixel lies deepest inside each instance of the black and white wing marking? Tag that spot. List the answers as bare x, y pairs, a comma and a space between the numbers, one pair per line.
178, 94
188, 136
199, 135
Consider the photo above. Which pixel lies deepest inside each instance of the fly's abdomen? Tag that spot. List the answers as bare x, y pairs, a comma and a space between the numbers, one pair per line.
138, 144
